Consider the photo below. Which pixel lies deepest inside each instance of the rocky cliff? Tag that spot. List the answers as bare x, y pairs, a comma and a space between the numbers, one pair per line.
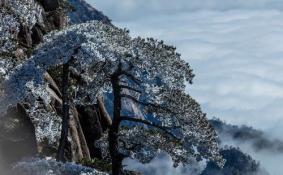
23, 26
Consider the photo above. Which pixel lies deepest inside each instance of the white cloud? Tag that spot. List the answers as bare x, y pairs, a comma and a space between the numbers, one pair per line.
163, 165
137, 9
268, 159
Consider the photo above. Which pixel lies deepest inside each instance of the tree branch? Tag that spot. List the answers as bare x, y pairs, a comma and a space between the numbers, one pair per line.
136, 120
131, 77
131, 66
147, 104
128, 148
130, 88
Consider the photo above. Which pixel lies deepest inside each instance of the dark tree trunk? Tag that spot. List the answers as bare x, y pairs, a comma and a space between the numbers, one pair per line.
116, 157
65, 113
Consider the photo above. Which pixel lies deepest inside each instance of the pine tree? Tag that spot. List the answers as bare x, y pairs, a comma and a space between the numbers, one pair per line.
145, 71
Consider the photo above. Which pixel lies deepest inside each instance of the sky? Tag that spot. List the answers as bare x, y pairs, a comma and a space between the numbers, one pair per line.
234, 46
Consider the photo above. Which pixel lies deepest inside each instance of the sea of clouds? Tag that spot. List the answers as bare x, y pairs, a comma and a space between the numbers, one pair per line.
126, 10
163, 165
235, 49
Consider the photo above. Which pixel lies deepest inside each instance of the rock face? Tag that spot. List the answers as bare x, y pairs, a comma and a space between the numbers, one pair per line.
83, 12
23, 25
17, 136
53, 18
18, 129
84, 126
87, 123
91, 127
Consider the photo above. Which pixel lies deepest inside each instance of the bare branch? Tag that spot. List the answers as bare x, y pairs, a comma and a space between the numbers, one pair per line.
130, 88
165, 127
147, 104
133, 99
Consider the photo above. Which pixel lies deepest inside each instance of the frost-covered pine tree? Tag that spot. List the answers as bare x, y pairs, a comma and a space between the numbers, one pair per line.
147, 72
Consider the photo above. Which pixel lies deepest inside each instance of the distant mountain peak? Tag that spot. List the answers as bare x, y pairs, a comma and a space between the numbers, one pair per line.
84, 12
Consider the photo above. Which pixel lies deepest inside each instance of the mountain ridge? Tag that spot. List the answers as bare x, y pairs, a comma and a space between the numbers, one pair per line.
83, 12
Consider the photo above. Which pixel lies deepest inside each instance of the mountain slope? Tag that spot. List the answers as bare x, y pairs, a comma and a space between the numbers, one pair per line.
244, 134
237, 163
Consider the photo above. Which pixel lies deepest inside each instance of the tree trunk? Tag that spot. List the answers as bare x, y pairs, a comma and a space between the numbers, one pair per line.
116, 157
79, 145
65, 113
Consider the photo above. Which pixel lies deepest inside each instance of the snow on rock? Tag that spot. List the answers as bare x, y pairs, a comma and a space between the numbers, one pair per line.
13, 15
96, 41
51, 167
22, 25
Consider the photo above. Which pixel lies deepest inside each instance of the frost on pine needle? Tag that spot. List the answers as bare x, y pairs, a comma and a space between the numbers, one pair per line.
154, 70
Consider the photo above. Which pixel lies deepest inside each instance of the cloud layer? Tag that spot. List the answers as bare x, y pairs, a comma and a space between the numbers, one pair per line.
137, 9
259, 145
163, 165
